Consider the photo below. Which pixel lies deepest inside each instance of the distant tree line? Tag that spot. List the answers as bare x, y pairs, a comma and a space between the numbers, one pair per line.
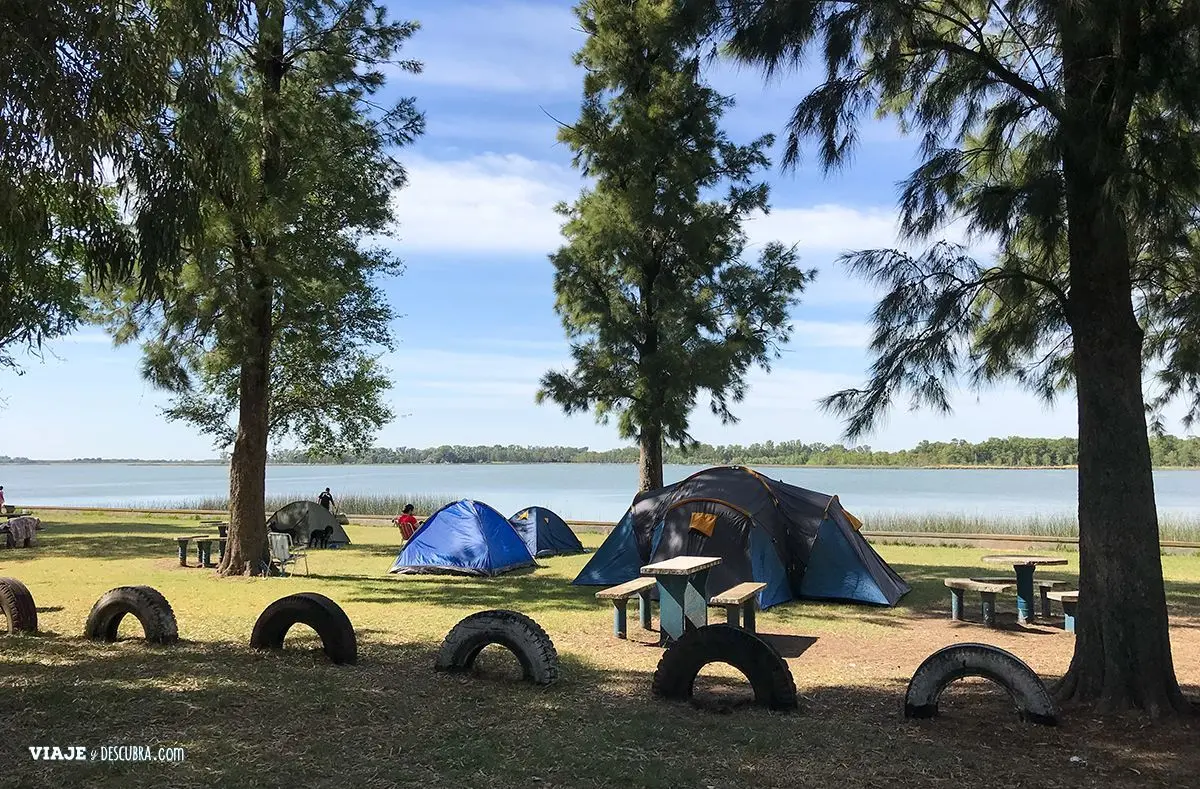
1013, 451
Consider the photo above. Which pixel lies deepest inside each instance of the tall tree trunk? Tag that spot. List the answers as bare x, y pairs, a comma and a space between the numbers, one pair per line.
248, 467
1122, 654
650, 462
1122, 647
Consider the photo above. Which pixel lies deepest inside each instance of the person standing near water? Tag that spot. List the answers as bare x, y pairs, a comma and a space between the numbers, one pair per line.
326, 499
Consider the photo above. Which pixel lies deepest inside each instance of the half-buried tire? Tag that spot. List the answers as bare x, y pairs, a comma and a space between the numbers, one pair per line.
20, 613
312, 609
762, 664
145, 603
516, 632
1024, 687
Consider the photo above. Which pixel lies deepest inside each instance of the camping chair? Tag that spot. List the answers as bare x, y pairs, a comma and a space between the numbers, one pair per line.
283, 552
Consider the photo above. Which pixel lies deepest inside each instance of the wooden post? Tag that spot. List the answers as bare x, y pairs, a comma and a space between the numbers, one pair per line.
989, 608
749, 616
956, 604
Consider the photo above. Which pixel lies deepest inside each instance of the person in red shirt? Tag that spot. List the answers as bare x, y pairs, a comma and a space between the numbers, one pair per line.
407, 523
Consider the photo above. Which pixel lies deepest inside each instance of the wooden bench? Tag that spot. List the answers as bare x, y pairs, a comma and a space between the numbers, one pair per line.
1068, 600
1043, 587
987, 592
739, 602
620, 597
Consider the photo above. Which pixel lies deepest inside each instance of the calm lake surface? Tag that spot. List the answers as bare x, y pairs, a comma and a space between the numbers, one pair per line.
583, 491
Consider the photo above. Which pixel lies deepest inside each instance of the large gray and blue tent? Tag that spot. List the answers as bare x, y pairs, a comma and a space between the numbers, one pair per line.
799, 543
544, 533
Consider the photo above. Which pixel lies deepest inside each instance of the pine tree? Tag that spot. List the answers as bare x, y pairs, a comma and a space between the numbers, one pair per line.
274, 323
78, 79
651, 285
1067, 131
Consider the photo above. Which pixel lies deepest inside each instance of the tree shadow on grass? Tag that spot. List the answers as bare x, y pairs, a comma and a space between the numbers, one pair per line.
111, 540
529, 591
391, 720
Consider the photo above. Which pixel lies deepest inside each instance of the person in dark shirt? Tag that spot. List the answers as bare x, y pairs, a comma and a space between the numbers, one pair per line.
407, 523
326, 499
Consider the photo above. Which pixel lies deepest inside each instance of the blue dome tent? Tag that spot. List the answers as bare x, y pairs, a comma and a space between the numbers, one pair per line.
799, 543
466, 537
544, 533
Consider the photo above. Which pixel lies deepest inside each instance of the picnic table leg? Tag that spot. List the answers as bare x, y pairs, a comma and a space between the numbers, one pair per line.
681, 603
619, 628
956, 604
1024, 593
644, 609
989, 608
182, 552
205, 547
695, 604
1045, 594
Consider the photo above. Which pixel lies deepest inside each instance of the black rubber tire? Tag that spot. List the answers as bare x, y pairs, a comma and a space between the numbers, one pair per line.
18, 606
516, 632
762, 664
936, 672
144, 602
312, 609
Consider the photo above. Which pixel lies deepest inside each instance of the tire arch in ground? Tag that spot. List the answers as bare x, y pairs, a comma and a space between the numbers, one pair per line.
760, 662
512, 630
318, 612
939, 670
20, 612
146, 604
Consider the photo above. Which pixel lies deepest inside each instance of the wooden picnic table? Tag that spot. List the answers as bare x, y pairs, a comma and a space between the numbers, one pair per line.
1024, 565
681, 601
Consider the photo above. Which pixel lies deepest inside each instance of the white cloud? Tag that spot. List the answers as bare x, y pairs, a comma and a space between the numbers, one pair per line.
492, 203
831, 228
509, 47
504, 203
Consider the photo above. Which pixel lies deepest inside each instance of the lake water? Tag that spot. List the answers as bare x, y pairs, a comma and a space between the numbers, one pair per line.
577, 491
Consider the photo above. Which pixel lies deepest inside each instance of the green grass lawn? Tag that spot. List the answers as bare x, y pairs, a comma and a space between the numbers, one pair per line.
251, 719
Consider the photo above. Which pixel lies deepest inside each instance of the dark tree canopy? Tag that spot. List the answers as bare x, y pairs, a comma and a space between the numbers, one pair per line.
653, 286
79, 82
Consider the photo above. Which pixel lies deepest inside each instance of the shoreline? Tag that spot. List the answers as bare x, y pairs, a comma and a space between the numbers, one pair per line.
850, 467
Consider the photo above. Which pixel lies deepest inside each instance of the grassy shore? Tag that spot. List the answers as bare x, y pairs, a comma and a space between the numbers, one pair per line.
391, 505
1176, 528
290, 719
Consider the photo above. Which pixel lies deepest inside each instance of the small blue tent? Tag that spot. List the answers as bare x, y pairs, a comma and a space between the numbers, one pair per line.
799, 543
544, 533
466, 537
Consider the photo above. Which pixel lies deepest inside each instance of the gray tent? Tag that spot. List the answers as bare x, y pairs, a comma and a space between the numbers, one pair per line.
300, 518
800, 543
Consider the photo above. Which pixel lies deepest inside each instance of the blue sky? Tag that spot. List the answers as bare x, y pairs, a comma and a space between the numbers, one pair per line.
475, 307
